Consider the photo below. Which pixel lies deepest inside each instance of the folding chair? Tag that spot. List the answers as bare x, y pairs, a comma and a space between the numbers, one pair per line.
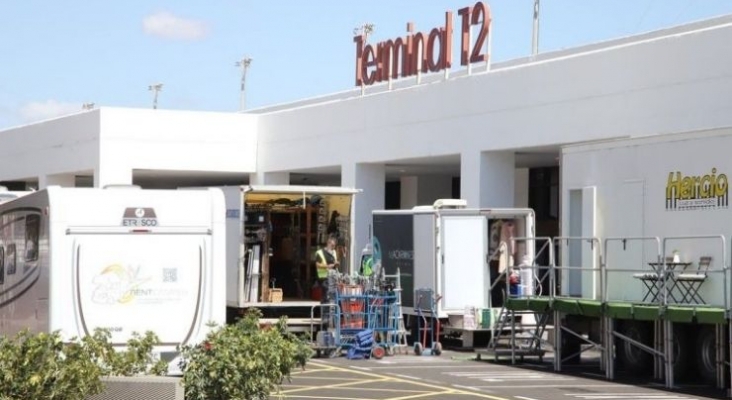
690, 282
651, 281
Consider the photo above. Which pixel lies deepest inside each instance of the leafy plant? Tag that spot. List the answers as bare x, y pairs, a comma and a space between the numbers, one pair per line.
242, 360
43, 366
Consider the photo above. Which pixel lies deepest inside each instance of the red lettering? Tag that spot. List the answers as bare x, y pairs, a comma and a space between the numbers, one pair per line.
368, 60
420, 53
446, 42
482, 14
423, 52
465, 34
359, 62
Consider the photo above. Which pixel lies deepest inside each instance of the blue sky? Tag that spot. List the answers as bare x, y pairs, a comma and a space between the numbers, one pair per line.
57, 55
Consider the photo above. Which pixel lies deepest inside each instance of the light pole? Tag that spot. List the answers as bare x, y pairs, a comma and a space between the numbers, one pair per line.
244, 65
156, 88
535, 38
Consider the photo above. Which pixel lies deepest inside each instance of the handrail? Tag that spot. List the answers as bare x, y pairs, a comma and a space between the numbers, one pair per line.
592, 240
624, 240
667, 270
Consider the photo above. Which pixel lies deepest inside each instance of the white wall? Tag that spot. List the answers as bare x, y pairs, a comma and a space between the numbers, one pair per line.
175, 140
632, 89
57, 146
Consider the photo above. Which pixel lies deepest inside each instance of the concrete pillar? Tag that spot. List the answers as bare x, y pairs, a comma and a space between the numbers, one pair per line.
65, 180
408, 191
269, 178
487, 178
521, 188
370, 178
112, 176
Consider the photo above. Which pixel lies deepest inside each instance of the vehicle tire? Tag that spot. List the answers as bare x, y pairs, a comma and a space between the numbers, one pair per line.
437, 348
418, 348
378, 352
634, 359
681, 352
706, 359
571, 345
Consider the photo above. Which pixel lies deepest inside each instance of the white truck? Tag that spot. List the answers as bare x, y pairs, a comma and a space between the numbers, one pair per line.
128, 260
453, 250
675, 188
273, 232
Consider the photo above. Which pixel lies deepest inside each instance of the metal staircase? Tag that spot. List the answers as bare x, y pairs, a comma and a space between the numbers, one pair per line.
518, 334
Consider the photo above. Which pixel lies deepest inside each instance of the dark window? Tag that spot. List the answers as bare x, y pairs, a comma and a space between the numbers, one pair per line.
10, 259
32, 230
2, 265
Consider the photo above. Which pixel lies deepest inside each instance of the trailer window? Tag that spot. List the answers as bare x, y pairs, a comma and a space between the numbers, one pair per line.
10, 259
32, 230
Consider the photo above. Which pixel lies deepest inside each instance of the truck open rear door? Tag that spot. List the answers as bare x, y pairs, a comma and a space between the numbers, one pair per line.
464, 272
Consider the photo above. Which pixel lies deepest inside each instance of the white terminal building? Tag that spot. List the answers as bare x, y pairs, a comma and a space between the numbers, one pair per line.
491, 135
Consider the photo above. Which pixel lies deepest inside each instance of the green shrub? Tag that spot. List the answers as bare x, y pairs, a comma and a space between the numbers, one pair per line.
43, 366
242, 361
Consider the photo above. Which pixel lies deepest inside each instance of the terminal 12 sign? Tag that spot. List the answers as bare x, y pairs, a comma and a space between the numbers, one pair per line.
423, 52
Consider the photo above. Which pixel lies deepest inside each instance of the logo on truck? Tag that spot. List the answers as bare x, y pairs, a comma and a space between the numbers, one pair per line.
139, 217
701, 192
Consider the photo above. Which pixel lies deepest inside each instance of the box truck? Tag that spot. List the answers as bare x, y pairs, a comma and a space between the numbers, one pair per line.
273, 232
128, 260
454, 251
659, 199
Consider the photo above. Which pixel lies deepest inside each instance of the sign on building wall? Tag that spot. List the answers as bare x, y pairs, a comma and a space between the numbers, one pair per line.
697, 192
424, 52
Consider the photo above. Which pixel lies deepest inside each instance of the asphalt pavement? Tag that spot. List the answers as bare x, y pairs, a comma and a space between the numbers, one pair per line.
459, 376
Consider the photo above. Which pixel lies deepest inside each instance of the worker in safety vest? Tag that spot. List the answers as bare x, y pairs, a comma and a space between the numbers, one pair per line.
326, 259
367, 266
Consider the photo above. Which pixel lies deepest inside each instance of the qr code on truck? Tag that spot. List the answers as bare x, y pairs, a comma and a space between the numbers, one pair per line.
170, 275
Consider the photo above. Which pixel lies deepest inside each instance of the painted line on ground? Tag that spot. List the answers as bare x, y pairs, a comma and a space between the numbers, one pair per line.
419, 396
525, 398
442, 388
335, 385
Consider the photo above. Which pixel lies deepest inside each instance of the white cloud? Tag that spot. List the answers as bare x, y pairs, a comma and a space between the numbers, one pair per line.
169, 26
37, 110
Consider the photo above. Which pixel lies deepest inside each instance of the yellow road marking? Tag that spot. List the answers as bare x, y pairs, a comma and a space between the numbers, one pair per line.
419, 396
325, 397
336, 385
327, 378
396, 379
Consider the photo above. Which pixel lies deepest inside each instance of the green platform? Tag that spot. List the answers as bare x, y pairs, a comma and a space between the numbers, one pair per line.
619, 310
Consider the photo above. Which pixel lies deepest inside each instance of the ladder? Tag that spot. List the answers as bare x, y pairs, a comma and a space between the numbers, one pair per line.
398, 334
514, 337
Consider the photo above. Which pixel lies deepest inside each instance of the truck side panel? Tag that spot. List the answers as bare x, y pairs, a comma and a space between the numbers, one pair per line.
681, 189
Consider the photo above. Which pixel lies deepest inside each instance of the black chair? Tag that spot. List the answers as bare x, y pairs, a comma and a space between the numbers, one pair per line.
690, 282
651, 280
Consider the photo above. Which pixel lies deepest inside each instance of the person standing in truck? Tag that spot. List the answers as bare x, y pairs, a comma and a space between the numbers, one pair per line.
326, 259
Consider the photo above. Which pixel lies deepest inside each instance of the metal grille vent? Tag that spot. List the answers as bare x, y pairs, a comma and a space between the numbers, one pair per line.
141, 388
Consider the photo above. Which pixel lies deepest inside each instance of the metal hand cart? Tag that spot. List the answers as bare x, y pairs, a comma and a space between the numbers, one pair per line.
428, 323
326, 342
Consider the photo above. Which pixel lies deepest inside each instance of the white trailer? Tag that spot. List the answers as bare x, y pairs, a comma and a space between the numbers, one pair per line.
453, 251
128, 260
273, 232
671, 187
